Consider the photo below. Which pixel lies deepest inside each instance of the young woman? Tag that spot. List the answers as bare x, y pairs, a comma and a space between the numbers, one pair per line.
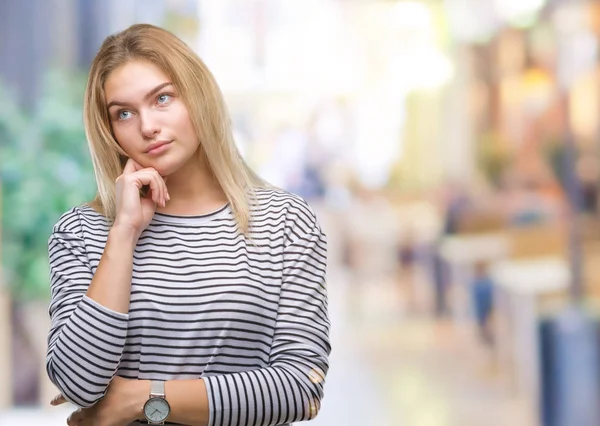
189, 291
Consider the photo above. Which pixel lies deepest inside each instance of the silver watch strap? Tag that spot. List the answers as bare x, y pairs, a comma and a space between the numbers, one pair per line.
157, 389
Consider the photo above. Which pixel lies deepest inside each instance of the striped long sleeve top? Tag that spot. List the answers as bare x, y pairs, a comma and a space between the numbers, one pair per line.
247, 316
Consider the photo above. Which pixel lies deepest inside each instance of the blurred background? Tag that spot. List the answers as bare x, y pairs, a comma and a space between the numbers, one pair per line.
449, 147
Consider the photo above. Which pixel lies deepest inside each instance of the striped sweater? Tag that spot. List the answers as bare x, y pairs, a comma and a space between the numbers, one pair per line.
247, 316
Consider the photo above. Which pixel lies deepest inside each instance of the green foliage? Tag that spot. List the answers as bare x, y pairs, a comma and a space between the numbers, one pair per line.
45, 170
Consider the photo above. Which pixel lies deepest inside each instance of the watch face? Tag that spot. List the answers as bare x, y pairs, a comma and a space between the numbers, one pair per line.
156, 409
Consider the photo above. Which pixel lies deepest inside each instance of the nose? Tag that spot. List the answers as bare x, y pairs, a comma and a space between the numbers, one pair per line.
149, 126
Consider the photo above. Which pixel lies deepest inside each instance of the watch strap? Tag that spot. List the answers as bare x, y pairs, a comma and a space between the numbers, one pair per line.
157, 389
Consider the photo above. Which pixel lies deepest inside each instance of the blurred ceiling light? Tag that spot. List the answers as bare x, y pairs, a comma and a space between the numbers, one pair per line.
519, 12
471, 20
411, 14
415, 61
423, 68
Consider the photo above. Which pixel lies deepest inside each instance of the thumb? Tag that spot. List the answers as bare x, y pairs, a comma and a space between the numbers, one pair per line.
58, 400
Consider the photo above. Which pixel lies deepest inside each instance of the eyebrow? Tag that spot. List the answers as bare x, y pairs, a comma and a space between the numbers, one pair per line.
148, 95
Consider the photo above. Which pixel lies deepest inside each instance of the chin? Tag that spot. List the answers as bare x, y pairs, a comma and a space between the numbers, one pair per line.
164, 171
164, 166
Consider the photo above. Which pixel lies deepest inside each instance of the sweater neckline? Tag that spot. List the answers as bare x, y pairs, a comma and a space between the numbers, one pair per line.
219, 213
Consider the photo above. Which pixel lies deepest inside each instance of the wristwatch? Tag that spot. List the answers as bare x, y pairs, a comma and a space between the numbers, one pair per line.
157, 409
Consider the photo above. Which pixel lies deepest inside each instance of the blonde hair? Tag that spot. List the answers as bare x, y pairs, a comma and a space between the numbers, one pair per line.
202, 97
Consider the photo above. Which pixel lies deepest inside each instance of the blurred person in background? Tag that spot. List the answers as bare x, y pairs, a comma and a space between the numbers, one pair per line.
455, 205
482, 293
588, 173
189, 290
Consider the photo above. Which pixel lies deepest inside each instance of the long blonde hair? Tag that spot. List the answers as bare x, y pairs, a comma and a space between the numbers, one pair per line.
202, 97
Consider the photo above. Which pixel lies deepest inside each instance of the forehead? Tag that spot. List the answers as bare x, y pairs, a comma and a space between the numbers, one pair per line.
132, 81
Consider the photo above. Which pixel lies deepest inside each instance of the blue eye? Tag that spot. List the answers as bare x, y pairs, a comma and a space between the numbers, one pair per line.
164, 98
122, 115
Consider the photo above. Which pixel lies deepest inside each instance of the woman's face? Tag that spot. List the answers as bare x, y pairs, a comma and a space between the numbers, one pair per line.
148, 117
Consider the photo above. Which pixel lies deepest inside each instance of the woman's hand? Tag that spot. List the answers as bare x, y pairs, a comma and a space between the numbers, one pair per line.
122, 404
133, 210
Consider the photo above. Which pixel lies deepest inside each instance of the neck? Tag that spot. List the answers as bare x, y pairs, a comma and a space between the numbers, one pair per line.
193, 190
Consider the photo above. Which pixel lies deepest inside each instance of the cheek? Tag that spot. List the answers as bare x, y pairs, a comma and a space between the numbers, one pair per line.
186, 129
124, 138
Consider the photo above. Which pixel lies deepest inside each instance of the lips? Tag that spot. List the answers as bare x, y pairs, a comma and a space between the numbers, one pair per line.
156, 147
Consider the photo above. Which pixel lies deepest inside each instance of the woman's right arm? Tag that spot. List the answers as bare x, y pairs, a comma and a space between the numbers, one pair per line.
89, 311
89, 324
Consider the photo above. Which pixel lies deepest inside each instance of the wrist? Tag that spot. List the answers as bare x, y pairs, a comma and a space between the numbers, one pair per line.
124, 234
140, 395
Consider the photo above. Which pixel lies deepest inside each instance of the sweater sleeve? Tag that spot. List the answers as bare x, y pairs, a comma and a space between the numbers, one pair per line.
86, 339
290, 389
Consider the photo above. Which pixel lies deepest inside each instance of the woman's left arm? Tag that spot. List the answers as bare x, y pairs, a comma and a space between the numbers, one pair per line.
291, 388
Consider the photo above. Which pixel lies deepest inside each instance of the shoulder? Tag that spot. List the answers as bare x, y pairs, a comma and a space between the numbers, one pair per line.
79, 219
288, 209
